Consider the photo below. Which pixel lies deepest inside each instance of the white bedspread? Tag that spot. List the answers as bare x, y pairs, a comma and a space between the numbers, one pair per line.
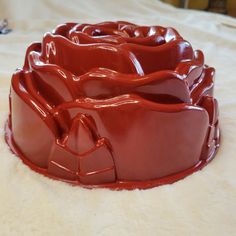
202, 204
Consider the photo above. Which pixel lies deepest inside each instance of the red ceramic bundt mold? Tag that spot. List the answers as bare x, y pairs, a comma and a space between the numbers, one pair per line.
113, 105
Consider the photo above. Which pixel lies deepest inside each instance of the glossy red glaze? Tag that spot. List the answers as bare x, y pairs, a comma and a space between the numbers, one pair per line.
113, 105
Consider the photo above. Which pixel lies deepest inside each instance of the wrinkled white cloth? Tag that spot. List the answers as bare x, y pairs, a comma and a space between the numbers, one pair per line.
201, 204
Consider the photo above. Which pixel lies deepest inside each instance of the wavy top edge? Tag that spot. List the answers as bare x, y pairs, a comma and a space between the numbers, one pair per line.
111, 59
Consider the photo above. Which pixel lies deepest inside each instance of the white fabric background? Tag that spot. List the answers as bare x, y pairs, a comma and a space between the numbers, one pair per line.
202, 204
